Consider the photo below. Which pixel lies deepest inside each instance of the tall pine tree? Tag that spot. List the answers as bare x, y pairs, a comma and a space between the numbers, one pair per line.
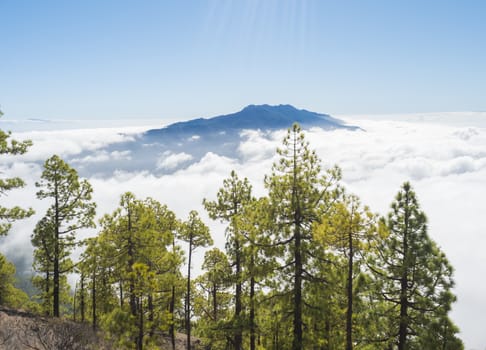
71, 209
347, 230
7, 215
415, 275
231, 198
196, 234
300, 193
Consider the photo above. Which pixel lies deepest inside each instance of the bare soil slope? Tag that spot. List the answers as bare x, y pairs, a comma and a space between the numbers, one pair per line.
20, 330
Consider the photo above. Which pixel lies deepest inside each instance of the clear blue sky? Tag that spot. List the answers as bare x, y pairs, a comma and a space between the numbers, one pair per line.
182, 59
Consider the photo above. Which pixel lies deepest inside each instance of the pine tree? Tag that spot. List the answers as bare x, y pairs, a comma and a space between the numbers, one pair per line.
231, 198
7, 215
347, 229
164, 259
259, 258
9, 294
213, 299
415, 276
96, 295
71, 210
175, 280
299, 195
196, 234
143, 262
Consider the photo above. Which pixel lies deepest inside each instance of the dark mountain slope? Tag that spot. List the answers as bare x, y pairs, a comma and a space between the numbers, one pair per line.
174, 147
263, 117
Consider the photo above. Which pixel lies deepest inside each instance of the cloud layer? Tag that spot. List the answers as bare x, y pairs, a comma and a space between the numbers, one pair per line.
446, 163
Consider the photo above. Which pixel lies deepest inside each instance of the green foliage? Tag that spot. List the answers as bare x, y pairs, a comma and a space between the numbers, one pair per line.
231, 199
44, 298
132, 271
196, 234
305, 267
413, 274
120, 327
349, 230
9, 294
299, 194
72, 208
54, 237
212, 300
7, 215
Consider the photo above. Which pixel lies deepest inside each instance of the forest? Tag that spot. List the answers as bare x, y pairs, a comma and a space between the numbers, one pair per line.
307, 266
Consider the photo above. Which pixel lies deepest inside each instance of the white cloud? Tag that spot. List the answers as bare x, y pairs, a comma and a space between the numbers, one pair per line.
446, 163
121, 155
256, 145
209, 165
103, 156
171, 161
71, 142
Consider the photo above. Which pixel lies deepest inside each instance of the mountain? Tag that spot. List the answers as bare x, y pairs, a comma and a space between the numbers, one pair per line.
176, 146
263, 117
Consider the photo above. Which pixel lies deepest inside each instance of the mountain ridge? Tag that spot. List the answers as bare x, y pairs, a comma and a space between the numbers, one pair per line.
178, 145
265, 117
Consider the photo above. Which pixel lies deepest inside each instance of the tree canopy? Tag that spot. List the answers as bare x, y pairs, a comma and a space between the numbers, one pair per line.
306, 266
9, 294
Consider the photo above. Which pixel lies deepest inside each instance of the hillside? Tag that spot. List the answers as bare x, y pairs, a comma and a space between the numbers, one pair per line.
20, 330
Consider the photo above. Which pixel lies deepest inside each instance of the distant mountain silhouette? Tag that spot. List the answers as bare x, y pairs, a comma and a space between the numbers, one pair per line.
263, 117
168, 149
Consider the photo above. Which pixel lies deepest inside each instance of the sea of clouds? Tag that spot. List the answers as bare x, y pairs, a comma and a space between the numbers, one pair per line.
443, 155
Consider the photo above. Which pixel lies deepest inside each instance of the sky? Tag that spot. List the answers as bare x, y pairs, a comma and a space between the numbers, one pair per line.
106, 70
175, 60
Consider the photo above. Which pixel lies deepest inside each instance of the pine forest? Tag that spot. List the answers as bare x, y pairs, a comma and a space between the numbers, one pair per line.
307, 266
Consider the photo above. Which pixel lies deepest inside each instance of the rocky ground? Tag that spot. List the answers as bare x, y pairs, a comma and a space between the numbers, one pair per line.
21, 330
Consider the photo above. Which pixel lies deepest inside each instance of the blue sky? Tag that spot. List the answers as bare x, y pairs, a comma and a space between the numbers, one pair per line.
183, 59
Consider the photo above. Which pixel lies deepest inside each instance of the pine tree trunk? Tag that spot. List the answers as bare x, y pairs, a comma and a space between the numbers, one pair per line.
238, 339
81, 301
252, 312
172, 324
298, 268
74, 303
131, 261
56, 255
214, 293
56, 282
276, 336
47, 304
150, 303
172, 303
349, 311
327, 332
93, 299
402, 331
120, 285
188, 298
297, 322
104, 288
140, 325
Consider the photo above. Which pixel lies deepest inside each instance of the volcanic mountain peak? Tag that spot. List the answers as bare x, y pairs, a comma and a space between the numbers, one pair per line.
263, 117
